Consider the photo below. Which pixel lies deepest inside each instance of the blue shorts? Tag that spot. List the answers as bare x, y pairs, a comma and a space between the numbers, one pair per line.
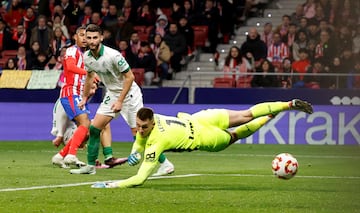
71, 108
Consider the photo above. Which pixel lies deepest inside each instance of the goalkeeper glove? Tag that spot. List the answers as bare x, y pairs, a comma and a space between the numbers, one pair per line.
134, 158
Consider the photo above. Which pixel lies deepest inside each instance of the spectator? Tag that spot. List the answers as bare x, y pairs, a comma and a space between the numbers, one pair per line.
235, 64
31, 55
85, 19
6, 43
161, 27
67, 7
126, 52
188, 12
188, 32
42, 34
290, 37
96, 19
59, 11
146, 59
315, 81
303, 25
146, 16
344, 39
254, 48
108, 38
301, 41
78, 12
111, 19
265, 80
325, 49
319, 14
286, 80
128, 12
105, 8
134, 43
267, 34
309, 9
162, 54
210, 17
297, 15
226, 13
15, 13
57, 23
176, 11
335, 67
313, 31
22, 60
40, 62
29, 22
59, 42
10, 64
300, 66
324, 25
311, 49
124, 29
177, 44
283, 28
348, 64
19, 36
277, 51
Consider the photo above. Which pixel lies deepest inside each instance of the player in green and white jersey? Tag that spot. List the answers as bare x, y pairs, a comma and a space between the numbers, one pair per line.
207, 130
123, 96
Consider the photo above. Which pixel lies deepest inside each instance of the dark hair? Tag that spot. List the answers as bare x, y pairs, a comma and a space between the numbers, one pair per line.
80, 28
94, 28
238, 58
145, 113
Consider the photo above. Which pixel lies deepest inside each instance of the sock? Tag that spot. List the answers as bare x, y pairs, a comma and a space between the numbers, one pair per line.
78, 138
93, 146
162, 158
269, 108
65, 150
108, 152
250, 127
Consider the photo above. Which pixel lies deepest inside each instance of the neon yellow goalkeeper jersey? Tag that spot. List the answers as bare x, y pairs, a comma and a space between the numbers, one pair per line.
205, 130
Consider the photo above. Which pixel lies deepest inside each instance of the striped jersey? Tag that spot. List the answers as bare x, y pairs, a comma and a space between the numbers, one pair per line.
73, 82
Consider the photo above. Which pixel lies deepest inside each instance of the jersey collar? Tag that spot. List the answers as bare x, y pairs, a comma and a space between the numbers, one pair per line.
101, 52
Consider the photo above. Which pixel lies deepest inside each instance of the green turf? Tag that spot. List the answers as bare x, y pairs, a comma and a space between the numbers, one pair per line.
238, 179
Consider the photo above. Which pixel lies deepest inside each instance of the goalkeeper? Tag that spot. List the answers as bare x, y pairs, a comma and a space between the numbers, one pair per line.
206, 130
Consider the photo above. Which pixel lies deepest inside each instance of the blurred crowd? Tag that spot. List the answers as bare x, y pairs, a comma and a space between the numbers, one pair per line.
154, 35
317, 46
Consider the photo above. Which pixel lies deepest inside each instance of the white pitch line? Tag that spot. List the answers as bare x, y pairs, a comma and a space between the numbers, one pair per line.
170, 177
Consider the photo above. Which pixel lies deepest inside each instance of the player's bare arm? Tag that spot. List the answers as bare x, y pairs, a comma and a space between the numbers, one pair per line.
128, 79
90, 76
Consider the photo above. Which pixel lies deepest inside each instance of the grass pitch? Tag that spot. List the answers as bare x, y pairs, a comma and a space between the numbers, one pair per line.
238, 179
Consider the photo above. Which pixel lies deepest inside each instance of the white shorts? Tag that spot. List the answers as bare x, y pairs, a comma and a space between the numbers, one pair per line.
132, 103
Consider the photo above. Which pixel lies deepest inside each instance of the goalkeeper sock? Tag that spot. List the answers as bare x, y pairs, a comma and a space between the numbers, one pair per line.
108, 152
269, 108
78, 138
251, 127
93, 146
65, 150
162, 158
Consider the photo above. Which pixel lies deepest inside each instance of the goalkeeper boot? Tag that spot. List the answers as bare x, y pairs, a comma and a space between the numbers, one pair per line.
73, 160
58, 160
165, 168
88, 169
111, 162
301, 105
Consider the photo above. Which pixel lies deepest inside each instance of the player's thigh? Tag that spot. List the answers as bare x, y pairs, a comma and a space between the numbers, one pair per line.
130, 107
214, 139
213, 117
